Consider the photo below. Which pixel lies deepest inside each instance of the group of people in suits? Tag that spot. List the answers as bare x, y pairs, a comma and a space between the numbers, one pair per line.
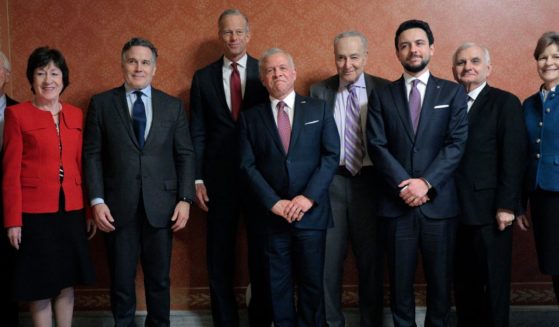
417, 165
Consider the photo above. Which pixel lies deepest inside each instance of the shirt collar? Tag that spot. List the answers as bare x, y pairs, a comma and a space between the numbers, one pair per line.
289, 100
146, 90
475, 92
360, 82
241, 62
423, 78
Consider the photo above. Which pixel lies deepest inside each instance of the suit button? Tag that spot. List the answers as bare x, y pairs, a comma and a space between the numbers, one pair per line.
547, 110
538, 140
415, 150
540, 124
538, 155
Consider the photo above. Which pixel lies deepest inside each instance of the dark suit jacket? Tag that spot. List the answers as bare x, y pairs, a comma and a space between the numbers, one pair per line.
491, 172
214, 132
307, 168
328, 88
433, 153
121, 173
9, 102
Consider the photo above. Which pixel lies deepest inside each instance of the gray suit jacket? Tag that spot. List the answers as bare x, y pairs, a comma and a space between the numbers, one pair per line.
121, 173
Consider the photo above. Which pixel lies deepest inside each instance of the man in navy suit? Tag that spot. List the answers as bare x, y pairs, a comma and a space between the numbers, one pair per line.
489, 181
8, 307
215, 102
417, 130
289, 154
139, 172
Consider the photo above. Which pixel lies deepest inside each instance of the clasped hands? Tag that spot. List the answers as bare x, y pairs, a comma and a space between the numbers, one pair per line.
414, 191
293, 210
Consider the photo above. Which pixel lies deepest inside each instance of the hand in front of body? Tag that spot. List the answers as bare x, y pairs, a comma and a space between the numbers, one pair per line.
523, 221
180, 215
103, 218
298, 206
414, 191
504, 218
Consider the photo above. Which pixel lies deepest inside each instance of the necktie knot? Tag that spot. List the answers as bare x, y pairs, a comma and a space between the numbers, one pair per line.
352, 88
234, 65
414, 83
138, 94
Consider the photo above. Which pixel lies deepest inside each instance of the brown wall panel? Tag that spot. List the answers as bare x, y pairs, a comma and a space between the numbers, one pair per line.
91, 34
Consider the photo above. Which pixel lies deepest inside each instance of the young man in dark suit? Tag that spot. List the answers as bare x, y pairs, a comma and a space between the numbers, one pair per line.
417, 131
353, 189
220, 91
139, 171
289, 154
489, 181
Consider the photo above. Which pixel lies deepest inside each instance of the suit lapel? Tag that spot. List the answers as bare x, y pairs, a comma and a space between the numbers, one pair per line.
252, 80
270, 124
479, 103
430, 100
399, 97
332, 91
298, 119
217, 80
124, 113
156, 104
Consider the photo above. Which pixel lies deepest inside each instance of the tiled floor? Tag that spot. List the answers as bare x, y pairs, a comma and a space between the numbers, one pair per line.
521, 316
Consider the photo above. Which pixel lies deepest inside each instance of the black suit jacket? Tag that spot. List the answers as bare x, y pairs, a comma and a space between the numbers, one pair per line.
490, 174
9, 102
307, 168
433, 153
121, 173
214, 132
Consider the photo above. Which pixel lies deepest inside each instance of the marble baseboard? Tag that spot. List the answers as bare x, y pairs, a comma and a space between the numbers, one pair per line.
521, 316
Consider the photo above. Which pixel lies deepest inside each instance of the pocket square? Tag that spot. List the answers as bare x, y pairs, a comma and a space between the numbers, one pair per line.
312, 122
441, 106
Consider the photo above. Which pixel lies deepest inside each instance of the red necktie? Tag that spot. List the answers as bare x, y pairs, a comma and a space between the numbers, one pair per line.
236, 94
284, 127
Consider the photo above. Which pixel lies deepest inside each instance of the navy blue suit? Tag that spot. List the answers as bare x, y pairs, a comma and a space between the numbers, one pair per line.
272, 175
433, 153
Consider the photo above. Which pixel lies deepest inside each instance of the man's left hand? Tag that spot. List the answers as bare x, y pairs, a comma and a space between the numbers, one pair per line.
180, 216
297, 207
414, 191
504, 218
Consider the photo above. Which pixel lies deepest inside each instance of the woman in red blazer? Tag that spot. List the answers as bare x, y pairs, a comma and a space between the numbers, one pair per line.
43, 194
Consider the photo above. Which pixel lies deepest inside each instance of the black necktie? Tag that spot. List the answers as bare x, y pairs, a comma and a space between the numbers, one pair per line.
139, 118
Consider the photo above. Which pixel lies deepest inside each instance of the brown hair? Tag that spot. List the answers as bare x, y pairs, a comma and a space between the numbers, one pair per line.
544, 41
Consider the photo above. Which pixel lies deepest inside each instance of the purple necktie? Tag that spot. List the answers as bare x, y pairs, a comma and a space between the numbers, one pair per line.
415, 104
352, 135
284, 127
236, 93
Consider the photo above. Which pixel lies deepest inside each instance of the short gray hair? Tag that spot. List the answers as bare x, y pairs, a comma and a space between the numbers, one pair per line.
360, 35
232, 12
467, 45
270, 52
5, 62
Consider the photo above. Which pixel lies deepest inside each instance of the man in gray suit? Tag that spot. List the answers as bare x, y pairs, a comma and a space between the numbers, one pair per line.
139, 170
353, 191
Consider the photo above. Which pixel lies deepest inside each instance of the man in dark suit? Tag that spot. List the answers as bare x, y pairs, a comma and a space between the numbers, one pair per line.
289, 154
417, 130
489, 181
8, 307
353, 189
219, 92
139, 170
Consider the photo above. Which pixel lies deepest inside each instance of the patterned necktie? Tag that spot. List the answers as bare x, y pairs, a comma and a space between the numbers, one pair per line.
284, 127
139, 118
353, 135
236, 94
415, 104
